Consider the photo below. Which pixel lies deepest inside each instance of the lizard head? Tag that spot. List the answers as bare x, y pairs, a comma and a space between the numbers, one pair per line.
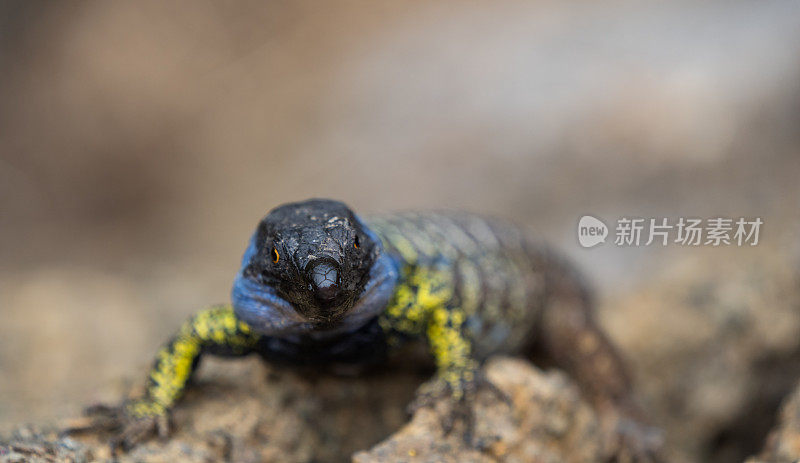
316, 255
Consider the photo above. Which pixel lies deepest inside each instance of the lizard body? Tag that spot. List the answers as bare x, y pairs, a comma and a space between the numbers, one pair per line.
319, 285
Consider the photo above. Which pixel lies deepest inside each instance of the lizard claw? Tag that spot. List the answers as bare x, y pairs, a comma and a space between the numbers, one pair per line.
130, 423
638, 442
139, 429
635, 441
460, 399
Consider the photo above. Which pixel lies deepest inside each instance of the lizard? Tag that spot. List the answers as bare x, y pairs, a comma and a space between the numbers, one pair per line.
320, 285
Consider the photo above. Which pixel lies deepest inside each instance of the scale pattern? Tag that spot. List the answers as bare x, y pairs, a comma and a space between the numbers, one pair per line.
482, 278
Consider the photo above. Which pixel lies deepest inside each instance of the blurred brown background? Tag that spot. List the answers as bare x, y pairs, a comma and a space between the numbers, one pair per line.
140, 142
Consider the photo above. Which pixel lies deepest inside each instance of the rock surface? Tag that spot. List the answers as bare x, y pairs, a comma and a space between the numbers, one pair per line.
783, 443
548, 422
243, 411
713, 340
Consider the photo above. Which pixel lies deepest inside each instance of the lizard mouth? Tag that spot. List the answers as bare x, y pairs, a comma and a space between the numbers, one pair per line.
328, 313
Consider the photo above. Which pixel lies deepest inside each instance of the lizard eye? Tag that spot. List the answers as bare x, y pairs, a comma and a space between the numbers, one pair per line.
275, 256
356, 242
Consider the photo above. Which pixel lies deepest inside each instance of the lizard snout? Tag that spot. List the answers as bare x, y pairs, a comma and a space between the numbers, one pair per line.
324, 277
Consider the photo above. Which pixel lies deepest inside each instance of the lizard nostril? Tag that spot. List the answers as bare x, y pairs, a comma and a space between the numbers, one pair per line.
325, 279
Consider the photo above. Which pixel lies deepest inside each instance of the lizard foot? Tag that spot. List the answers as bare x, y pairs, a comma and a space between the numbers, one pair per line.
131, 423
637, 442
460, 398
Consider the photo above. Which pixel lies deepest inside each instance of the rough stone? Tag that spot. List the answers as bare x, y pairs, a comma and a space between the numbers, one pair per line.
244, 411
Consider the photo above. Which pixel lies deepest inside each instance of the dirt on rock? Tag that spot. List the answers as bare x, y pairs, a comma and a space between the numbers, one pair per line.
713, 340
246, 412
783, 442
546, 421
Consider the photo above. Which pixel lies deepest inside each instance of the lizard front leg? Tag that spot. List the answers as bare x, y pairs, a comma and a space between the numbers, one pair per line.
215, 331
451, 350
423, 307
458, 375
